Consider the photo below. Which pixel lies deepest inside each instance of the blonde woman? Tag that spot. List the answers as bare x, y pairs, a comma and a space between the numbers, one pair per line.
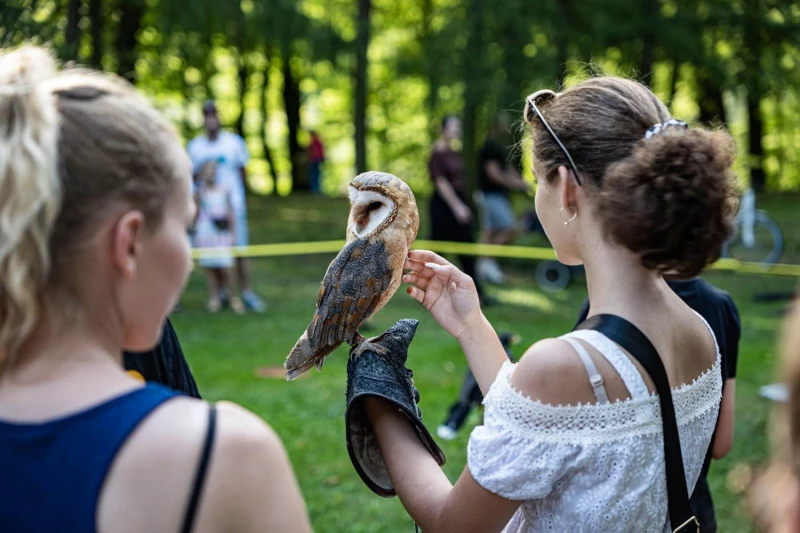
94, 208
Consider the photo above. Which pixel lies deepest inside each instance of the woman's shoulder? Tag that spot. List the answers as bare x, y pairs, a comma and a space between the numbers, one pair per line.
161, 459
547, 398
184, 422
550, 372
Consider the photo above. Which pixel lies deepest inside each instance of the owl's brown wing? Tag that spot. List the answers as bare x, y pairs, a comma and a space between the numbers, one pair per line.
354, 285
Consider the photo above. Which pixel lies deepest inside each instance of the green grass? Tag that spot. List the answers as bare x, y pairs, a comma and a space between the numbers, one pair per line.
226, 350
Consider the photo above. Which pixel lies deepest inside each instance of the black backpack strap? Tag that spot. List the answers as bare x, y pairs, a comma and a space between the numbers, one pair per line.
200, 474
639, 346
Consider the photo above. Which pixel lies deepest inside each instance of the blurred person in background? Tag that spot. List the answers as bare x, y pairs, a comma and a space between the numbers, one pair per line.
164, 364
774, 497
469, 397
230, 153
451, 217
215, 228
93, 253
316, 156
498, 177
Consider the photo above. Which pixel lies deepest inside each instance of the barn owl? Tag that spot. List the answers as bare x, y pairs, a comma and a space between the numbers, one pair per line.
382, 225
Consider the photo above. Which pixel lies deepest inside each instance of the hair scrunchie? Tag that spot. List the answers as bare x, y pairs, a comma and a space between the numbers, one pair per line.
658, 128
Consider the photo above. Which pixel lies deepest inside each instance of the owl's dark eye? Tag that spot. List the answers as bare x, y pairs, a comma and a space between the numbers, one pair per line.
374, 206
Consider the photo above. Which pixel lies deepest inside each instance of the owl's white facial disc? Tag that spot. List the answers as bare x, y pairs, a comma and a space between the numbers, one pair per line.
370, 210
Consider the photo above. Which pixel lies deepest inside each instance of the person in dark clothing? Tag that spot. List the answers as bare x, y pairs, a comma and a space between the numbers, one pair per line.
164, 364
498, 177
451, 217
316, 156
719, 310
468, 397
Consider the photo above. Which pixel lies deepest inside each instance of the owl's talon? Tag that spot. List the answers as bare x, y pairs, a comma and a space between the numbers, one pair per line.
362, 345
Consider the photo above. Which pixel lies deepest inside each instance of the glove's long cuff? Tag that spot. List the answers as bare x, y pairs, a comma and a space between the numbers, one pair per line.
387, 377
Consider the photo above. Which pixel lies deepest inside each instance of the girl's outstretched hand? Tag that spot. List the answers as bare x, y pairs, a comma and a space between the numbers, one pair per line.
446, 292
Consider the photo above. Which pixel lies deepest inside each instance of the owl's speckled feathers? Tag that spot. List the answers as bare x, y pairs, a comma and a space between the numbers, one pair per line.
382, 225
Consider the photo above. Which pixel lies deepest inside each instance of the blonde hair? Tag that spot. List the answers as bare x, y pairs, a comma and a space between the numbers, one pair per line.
73, 146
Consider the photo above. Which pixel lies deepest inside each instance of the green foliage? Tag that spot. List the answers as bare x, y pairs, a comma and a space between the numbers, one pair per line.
731, 62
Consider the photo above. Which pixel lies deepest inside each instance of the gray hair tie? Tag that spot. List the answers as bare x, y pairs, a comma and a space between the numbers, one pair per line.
658, 128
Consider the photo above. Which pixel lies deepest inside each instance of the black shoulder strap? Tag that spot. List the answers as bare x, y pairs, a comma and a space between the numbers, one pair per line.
200, 475
639, 346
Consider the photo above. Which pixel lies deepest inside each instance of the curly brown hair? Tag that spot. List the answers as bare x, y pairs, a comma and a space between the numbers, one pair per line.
670, 199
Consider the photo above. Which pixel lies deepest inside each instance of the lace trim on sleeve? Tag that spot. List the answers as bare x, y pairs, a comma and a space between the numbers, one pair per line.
509, 410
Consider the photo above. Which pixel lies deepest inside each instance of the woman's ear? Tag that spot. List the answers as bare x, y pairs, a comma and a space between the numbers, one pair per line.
567, 185
127, 243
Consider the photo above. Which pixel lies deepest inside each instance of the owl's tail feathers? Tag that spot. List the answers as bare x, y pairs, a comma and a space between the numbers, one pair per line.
303, 357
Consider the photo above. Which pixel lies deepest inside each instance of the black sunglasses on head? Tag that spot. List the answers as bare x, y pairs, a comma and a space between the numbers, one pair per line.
530, 105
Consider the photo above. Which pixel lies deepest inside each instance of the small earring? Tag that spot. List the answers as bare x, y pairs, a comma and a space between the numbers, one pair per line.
566, 222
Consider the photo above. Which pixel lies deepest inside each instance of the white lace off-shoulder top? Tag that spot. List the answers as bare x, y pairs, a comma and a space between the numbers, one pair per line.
593, 467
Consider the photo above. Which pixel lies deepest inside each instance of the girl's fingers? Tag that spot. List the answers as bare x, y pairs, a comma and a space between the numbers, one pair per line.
417, 294
426, 256
417, 280
449, 273
419, 268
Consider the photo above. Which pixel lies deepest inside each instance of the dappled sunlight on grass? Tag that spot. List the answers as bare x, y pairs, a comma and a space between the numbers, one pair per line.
763, 323
525, 297
299, 215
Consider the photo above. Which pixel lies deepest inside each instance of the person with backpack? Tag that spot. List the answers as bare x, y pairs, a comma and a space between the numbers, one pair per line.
604, 428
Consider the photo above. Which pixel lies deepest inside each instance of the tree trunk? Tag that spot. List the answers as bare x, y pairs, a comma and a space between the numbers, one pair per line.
209, 69
130, 23
431, 57
562, 40
472, 90
649, 40
291, 102
709, 97
264, 119
673, 84
98, 22
758, 178
752, 39
72, 35
242, 75
362, 66
242, 70
187, 128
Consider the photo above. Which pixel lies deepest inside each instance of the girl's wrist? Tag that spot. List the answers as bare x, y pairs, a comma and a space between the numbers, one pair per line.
477, 329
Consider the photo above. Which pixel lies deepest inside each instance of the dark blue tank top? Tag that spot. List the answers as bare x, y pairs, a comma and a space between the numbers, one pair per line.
51, 473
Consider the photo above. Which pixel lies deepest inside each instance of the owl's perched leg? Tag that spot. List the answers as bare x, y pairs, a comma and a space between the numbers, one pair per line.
361, 345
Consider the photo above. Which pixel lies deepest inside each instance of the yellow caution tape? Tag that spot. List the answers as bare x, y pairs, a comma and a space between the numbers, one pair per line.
463, 248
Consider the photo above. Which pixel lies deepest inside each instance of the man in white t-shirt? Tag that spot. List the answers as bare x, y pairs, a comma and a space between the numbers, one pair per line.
230, 153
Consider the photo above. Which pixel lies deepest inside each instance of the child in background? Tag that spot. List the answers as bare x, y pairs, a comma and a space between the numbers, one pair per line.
214, 229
